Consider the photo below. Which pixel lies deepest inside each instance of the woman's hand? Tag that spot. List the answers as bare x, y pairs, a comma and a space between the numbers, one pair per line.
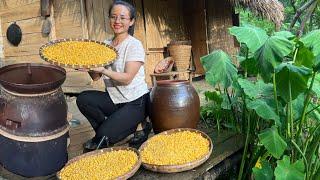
98, 69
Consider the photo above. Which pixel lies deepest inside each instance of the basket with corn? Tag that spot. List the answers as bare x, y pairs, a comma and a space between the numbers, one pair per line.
78, 53
176, 150
109, 163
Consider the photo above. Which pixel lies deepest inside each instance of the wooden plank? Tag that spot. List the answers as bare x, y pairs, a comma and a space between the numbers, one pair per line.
164, 22
1, 42
32, 25
106, 6
11, 4
84, 20
29, 45
53, 33
139, 29
194, 13
90, 18
99, 32
23, 59
227, 146
20, 13
64, 8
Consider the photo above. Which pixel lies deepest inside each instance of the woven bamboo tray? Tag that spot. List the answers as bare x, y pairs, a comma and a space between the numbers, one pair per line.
52, 61
181, 167
97, 152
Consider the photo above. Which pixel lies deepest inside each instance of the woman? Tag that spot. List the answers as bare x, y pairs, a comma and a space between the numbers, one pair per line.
115, 114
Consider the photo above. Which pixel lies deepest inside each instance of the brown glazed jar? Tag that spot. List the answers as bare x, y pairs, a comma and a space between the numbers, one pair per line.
174, 104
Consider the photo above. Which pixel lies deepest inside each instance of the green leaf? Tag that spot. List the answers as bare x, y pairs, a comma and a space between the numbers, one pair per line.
213, 96
219, 68
304, 57
263, 173
253, 37
288, 74
311, 40
297, 106
263, 110
273, 142
255, 90
271, 54
287, 171
316, 85
250, 66
317, 63
285, 34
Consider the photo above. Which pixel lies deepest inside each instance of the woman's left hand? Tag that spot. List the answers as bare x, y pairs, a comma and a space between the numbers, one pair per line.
98, 69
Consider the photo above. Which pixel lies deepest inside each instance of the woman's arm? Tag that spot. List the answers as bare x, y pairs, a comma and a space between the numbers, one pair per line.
126, 77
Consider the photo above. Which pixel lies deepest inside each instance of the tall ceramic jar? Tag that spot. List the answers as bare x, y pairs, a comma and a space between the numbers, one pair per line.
174, 104
33, 119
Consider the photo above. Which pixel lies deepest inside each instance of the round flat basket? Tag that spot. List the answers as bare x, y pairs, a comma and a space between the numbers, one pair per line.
180, 167
76, 66
127, 175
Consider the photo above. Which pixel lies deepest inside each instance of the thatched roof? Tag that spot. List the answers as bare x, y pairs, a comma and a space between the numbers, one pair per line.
270, 9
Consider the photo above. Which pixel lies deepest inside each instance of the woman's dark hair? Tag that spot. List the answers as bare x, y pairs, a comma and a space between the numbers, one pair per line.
131, 9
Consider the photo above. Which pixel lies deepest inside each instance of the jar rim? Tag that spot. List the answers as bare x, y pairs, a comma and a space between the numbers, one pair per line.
172, 82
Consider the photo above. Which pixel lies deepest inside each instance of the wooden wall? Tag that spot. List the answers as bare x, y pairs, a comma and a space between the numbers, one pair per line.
204, 22
219, 20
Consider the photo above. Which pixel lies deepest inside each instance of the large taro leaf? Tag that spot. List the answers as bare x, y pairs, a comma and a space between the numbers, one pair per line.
219, 68
317, 63
272, 141
288, 74
304, 57
316, 85
253, 37
311, 40
285, 34
297, 106
263, 110
271, 53
263, 173
287, 171
257, 89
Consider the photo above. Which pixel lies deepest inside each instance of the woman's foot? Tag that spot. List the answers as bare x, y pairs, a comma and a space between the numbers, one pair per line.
96, 143
140, 136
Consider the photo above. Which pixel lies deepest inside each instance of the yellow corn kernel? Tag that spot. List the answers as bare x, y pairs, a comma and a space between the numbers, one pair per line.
79, 53
175, 149
108, 165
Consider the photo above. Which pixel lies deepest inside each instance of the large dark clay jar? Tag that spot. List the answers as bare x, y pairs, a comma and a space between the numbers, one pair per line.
174, 104
33, 119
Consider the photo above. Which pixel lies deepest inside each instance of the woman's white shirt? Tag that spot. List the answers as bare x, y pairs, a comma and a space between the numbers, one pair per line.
130, 49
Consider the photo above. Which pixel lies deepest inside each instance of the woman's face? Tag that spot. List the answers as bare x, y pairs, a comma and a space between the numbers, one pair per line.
120, 19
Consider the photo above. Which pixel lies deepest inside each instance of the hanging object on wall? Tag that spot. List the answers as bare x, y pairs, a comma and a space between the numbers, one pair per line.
14, 34
46, 27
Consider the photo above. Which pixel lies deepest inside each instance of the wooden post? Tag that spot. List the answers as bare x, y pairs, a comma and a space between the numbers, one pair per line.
1, 43
45, 8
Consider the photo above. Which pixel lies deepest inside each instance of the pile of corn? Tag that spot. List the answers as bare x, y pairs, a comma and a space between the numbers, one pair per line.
175, 149
109, 165
79, 53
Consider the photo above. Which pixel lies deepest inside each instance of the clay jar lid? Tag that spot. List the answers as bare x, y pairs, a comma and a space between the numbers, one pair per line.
31, 78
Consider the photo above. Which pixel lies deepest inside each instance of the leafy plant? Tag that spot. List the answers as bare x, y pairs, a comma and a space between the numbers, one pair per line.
279, 100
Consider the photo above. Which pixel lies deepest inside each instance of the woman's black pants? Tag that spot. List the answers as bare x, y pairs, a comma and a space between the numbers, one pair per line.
116, 121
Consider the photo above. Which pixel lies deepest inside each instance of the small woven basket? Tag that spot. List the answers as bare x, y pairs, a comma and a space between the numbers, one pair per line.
181, 53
